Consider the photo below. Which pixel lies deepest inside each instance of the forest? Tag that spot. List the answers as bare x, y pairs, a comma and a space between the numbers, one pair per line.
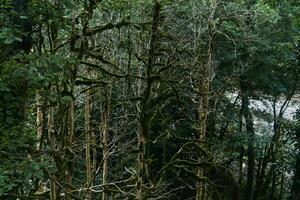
150, 99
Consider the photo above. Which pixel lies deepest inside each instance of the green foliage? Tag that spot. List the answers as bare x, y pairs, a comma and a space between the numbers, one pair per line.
10, 35
232, 38
18, 170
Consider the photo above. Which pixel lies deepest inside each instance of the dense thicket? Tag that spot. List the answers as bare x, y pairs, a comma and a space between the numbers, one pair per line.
103, 99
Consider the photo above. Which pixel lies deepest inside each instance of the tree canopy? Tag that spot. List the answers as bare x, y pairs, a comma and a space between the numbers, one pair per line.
160, 99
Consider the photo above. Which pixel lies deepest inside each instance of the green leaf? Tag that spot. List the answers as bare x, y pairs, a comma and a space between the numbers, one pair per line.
9, 40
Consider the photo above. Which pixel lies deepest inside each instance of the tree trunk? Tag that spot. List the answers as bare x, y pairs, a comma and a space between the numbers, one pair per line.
89, 176
143, 114
104, 126
39, 119
71, 129
241, 163
271, 151
273, 187
52, 140
250, 186
239, 192
204, 109
141, 162
296, 181
203, 113
281, 192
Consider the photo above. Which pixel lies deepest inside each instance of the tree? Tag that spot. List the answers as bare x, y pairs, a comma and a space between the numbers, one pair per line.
148, 99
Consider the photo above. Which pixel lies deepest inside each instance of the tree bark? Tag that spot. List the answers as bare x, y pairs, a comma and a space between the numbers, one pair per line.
250, 186
71, 130
203, 114
52, 140
104, 126
281, 192
203, 110
143, 114
89, 176
39, 119
273, 187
